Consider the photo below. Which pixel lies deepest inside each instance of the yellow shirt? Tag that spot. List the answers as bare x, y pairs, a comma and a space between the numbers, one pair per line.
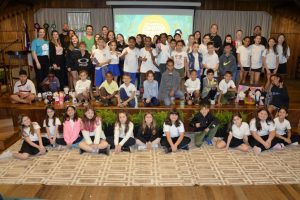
110, 88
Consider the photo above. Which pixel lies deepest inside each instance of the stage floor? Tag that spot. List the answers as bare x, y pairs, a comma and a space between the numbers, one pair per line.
198, 166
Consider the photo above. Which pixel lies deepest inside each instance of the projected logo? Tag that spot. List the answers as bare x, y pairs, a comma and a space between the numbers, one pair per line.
153, 25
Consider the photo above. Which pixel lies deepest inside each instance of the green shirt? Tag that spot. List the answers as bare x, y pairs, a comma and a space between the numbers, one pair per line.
89, 43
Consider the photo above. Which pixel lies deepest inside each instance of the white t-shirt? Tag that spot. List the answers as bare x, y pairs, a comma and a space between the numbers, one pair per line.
244, 55
82, 86
131, 60
51, 126
178, 58
196, 64
282, 127
26, 88
114, 58
266, 128
203, 49
102, 55
256, 52
164, 54
223, 86
270, 58
240, 132
33, 137
191, 85
173, 130
282, 58
211, 60
148, 64
128, 89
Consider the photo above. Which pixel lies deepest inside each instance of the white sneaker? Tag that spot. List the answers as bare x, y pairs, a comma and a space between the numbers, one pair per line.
295, 144
6, 154
142, 147
212, 102
154, 146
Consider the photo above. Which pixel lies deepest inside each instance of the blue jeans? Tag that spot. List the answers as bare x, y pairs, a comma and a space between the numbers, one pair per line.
154, 102
124, 97
177, 94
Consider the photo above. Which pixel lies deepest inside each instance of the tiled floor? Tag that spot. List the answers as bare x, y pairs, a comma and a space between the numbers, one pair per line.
202, 166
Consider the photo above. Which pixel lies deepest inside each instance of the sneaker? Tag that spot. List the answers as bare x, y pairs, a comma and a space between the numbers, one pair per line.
126, 149
208, 141
278, 146
142, 147
105, 151
256, 150
81, 151
154, 146
168, 150
86, 103
6, 154
212, 102
295, 144
186, 148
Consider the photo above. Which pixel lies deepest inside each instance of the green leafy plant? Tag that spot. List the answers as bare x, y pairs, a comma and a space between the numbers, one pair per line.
160, 118
108, 116
137, 118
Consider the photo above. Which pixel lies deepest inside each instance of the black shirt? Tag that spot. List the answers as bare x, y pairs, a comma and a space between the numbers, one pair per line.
204, 121
147, 136
217, 43
280, 97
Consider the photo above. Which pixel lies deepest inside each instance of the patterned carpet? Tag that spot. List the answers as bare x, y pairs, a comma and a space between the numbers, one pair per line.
202, 166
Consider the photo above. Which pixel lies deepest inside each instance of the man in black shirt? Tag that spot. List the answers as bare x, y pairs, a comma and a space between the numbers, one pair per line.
216, 39
64, 34
257, 31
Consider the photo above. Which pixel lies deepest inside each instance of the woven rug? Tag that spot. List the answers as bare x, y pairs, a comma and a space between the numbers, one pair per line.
198, 166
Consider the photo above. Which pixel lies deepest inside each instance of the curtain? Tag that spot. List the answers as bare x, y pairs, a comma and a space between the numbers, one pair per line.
58, 16
230, 21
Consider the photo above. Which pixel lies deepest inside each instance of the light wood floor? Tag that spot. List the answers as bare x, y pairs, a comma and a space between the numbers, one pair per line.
263, 192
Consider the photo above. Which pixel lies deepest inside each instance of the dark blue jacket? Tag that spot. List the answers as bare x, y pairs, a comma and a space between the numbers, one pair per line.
192, 61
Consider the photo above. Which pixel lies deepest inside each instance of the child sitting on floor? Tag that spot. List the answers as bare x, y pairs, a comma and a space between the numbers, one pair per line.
205, 126
108, 90
227, 89
83, 88
24, 90
127, 92
192, 88
150, 95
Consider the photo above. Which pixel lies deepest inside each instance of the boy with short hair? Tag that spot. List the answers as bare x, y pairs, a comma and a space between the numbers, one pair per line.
192, 85
108, 90
227, 89
210, 88
24, 90
211, 59
205, 125
50, 83
169, 86
127, 92
228, 62
83, 88
195, 60
131, 54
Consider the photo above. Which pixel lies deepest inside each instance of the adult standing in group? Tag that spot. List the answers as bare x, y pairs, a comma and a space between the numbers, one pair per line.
63, 35
104, 31
88, 38
257, 31
40, 55
57, 59
216, 39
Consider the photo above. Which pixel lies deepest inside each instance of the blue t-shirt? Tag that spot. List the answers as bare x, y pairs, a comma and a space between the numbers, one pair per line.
40, 47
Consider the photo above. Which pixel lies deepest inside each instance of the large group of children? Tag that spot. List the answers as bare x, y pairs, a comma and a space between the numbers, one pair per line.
104, 68
86, 133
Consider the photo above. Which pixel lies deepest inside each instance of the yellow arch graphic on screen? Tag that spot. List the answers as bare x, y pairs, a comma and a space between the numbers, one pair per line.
153, 25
